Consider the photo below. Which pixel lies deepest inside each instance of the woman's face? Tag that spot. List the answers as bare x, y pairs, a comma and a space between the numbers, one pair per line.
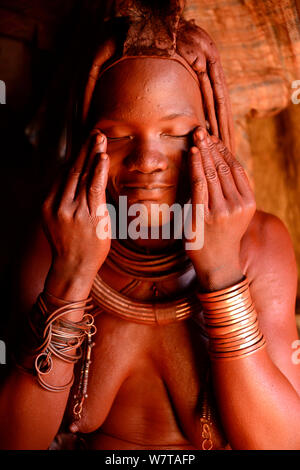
147, 108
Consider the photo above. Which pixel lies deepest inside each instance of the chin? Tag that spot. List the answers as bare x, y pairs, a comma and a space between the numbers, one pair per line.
155, 211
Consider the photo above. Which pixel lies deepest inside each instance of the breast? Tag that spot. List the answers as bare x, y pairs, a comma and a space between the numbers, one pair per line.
146, 382
142, 412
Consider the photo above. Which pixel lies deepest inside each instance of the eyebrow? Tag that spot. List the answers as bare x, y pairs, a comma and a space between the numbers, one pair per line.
169, 117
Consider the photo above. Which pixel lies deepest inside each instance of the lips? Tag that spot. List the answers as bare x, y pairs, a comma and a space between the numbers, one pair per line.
145, 191
149, 186
146, 182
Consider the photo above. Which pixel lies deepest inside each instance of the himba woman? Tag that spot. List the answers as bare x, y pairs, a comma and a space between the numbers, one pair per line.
144, 344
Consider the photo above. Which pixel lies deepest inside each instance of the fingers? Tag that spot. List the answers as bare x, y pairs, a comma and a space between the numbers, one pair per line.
221, 166
79, 172
63, 189
197, 178
199, 50
99, 146
85, 180
84, 152
96, 189
238, 173
224, 171
199, 192
225, 177
215, 193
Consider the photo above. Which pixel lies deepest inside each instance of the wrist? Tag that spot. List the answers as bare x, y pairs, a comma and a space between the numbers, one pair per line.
68, 281
219, 277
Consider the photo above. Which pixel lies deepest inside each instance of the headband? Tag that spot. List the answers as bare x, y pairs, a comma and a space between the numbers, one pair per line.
197, 53
107, 51
175, 57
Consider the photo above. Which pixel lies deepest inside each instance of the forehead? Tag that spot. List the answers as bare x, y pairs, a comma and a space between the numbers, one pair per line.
146, 87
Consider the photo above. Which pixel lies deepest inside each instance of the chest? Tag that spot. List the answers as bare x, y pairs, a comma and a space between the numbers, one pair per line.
140, 366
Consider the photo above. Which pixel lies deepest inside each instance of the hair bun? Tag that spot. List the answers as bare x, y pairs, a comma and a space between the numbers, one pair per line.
152, 24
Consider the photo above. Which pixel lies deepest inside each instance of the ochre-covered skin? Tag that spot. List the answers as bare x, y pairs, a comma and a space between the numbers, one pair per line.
145, 381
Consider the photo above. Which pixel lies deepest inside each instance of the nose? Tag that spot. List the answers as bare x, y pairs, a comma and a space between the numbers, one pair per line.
144, 158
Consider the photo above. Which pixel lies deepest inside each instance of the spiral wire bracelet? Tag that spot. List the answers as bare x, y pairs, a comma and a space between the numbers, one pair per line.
60, 337
231, 322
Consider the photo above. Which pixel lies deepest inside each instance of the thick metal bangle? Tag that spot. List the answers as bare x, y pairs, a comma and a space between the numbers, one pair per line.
236, 351
241, 333
233, 320
211, 295
236, 345
239, 354
242, 290
237, 299
211, 313
225, 330
229, 318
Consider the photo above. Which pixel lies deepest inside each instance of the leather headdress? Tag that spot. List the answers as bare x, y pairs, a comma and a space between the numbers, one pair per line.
158, 29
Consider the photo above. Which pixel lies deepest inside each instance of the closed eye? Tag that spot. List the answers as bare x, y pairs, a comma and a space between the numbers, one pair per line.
127, 137
176, 136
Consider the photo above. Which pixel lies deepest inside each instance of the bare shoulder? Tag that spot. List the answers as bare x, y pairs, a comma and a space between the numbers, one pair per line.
33, 268
267, 248
270, 264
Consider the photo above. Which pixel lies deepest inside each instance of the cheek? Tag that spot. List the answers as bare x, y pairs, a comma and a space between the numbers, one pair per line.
175, 145
179, 160
177, 152
117, 153
115, 169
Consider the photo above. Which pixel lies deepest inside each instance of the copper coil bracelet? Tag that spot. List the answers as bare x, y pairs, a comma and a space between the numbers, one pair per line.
231, 322
58, 337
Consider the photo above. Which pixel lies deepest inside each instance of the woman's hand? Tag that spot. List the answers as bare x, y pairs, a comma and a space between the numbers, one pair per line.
70, 216
219, 182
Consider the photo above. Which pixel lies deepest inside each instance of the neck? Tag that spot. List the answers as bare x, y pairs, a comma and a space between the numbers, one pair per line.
156, 238
150, 245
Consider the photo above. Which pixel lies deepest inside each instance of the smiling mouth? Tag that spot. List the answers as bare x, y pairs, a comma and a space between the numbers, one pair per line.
146, 187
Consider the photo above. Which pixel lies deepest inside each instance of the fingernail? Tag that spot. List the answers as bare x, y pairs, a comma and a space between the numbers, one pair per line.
201, 134
100, 139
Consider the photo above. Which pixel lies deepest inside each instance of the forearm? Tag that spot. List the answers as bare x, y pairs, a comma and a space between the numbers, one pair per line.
30, 416
259, 407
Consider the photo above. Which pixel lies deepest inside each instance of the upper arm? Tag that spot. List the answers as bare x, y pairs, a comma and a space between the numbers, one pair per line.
31, 272
272, 273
